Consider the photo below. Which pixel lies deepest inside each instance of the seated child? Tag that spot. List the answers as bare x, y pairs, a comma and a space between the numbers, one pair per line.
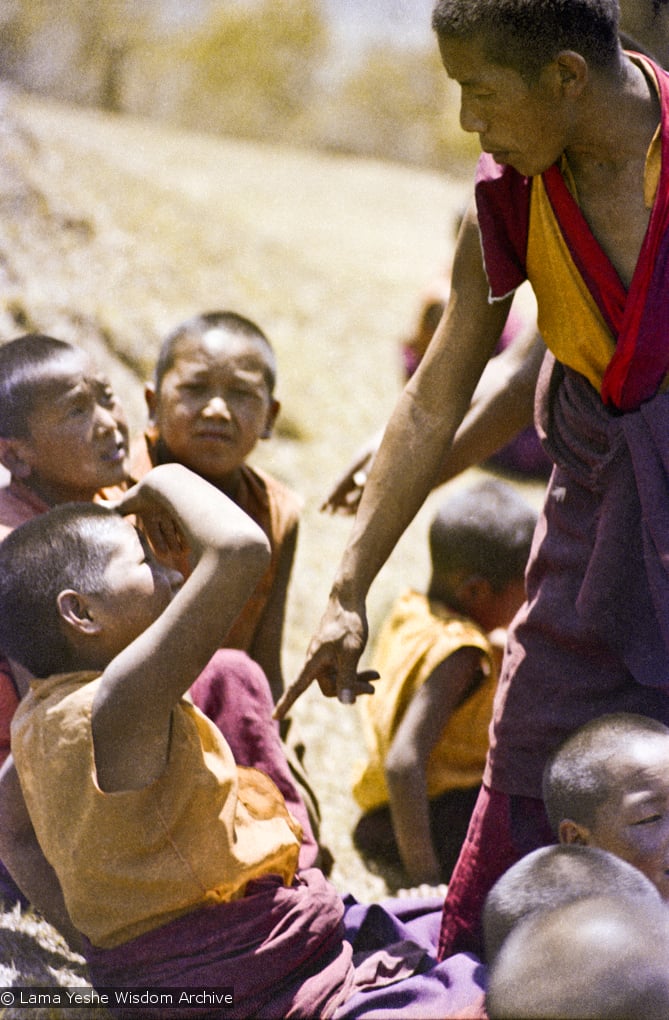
550, 877
165, 825
126, 816
211, 400
600, 957
607, 786
426, 728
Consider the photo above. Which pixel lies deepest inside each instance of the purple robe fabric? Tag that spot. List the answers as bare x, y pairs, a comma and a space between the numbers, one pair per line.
300, 956
409, 928
281, 950
593, 636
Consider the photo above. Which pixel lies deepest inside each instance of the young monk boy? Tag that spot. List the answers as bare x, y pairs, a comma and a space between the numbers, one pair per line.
437, 657
549, 878
164, 826
63, 436
607, 786
576, 200
211, 401
126, 817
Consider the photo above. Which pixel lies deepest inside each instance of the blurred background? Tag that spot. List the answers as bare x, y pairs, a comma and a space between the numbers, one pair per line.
358, 77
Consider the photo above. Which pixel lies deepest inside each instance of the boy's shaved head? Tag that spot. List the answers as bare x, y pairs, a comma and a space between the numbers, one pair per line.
25, 365
64, 548
195, 328
602, 957
484, 529
578, 775
550, 877
528, 34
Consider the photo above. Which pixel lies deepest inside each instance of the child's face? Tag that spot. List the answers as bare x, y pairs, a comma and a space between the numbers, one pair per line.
214, 404
78, 434
633, 823
137, 588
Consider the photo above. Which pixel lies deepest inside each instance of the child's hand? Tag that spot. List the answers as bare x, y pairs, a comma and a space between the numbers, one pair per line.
158, 523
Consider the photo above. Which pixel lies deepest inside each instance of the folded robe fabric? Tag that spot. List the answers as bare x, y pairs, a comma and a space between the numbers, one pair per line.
298, 957
624, 461
281, 951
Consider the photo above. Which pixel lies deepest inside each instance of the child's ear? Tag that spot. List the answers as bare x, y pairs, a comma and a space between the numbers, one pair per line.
75, 611
13, 456
571, 832
272, 414
151, 399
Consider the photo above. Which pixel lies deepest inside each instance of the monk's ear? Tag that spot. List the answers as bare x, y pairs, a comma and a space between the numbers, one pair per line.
572, 73
571, 832
75, 612
13, 457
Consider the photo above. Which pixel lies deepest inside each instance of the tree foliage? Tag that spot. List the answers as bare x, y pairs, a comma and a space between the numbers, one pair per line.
250, 68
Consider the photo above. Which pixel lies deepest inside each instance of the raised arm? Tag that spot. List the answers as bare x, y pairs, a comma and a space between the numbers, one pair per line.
425, 419
143, 682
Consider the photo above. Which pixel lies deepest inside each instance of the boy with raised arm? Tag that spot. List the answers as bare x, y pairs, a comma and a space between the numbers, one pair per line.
143, 818
572, 193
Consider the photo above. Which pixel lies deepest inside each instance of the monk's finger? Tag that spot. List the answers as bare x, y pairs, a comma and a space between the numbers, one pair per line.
291, 694
347, 694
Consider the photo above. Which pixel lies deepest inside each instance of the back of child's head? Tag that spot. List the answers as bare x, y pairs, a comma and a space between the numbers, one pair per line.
484, 530
551, 877
25, 373
193, 331
578, 778
602, 957
66, 548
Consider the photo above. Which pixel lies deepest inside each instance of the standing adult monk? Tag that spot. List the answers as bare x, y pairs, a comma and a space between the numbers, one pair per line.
572, 192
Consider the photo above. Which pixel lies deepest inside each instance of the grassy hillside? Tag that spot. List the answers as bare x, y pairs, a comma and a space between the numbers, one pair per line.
112, 230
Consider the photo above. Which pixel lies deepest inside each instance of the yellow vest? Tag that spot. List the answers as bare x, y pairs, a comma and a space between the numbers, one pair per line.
418, 636
131, 861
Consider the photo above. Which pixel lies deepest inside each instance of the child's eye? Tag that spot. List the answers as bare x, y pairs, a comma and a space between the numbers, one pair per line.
649, 819
78, 408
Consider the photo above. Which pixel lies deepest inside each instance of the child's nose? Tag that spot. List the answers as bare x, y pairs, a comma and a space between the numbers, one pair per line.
217, 407
105, 421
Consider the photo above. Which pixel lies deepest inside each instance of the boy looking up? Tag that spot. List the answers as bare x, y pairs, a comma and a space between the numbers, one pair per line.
427, 729
572, 193
142, 817
63, 437
607, 786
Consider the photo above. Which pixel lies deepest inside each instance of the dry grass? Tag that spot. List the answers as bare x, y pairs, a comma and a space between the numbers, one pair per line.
115, 229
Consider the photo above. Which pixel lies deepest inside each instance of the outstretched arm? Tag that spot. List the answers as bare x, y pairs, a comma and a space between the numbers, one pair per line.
405, 469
